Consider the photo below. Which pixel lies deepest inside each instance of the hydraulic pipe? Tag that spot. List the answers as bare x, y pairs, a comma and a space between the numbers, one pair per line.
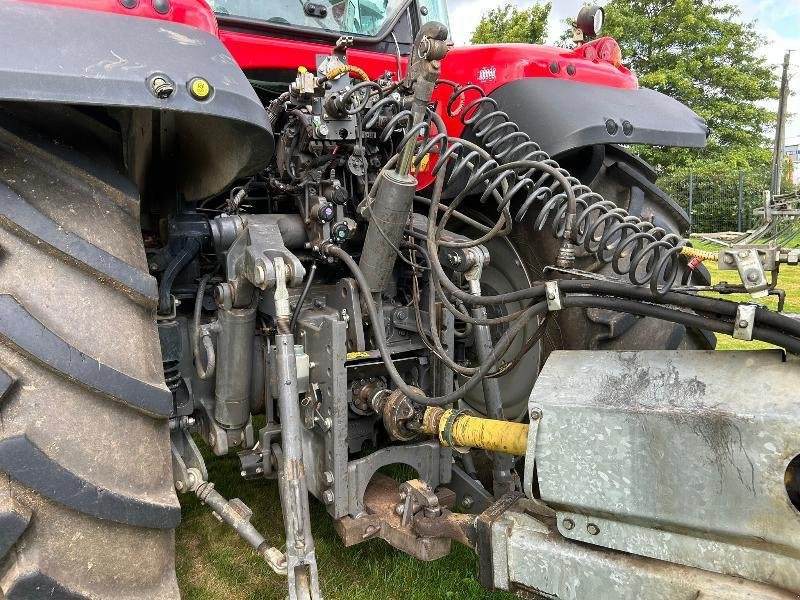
456, 428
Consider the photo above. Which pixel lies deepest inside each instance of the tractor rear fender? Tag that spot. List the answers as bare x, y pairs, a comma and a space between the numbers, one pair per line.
565, 115
61, 55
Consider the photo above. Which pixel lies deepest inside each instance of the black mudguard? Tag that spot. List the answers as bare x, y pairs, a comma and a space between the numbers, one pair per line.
564, 115
52, 54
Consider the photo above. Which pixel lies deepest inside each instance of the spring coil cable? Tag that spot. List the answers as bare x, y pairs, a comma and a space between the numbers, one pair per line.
647, 254
388, 116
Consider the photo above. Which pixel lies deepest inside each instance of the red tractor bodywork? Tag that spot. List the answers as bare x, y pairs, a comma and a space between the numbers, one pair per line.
488, 66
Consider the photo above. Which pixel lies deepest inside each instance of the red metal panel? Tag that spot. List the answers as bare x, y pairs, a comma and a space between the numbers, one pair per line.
195, 13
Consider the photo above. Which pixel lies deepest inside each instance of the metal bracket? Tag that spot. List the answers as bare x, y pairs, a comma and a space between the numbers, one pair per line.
253, 260
535, 413
477, 258
553, 295
188, 466
743, 325
417, 495
751, 269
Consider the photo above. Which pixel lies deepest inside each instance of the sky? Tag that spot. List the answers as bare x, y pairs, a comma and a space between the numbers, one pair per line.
777, 20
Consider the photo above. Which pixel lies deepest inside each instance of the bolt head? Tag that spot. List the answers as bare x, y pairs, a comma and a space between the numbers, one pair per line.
328, 497
752, 276
467, 501
743, 323
323, 129
743, 253
180, 485
162, 88
259, 275
568, 524
327, 477
398, 510
592, 529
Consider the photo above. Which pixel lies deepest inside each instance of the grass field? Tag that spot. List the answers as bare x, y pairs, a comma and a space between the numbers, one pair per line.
213, 563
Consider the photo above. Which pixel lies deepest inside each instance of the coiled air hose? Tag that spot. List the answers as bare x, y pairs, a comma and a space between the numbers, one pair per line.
600, 227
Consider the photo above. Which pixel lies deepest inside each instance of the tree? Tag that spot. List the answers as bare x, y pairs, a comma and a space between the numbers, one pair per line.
699, 52
508, 24
787, 175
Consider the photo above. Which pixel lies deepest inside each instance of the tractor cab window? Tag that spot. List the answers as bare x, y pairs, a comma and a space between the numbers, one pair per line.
357, 17
434, 10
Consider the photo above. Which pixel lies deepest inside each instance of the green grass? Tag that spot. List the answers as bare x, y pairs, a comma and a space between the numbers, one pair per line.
213, 563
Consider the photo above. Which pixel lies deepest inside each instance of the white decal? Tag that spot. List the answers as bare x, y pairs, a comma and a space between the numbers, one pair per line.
487, 74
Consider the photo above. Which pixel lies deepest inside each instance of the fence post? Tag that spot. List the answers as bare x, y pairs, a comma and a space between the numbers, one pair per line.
691, 201
741, 201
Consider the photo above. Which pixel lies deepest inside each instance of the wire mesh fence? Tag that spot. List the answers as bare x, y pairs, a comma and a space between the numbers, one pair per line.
719, 202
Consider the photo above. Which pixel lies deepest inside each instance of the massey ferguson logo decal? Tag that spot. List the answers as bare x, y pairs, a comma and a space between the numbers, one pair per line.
487, 74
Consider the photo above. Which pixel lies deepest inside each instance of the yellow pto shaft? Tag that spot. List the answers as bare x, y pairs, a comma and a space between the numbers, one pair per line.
456, 428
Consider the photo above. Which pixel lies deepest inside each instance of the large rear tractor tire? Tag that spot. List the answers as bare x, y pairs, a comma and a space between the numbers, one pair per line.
87, 505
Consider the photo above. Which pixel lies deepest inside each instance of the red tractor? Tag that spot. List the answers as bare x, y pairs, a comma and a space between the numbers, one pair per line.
317, 235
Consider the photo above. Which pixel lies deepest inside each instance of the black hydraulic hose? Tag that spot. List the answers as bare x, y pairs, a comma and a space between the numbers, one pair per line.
764, 316
302, 299
792, 344
441, 277
190, 249
276, 107
379, 338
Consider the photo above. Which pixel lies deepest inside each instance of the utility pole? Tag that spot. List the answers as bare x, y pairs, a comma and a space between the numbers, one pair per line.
777, 151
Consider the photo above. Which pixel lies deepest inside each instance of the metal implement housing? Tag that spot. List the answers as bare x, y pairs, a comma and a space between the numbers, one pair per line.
679, 456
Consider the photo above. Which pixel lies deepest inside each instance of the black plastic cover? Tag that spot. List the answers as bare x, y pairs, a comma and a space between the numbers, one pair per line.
73, 56
563, 115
